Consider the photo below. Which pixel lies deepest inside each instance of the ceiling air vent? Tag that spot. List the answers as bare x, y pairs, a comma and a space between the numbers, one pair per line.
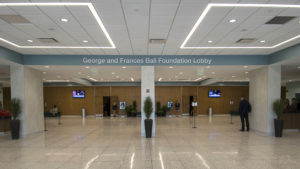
47, 40
157, 41
14, 19
280, 19
246, 40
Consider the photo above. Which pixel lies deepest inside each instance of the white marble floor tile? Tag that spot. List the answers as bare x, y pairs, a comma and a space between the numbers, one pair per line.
115, 143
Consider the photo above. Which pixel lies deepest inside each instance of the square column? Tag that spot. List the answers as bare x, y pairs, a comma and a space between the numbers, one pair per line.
27, 85
147, 89
265, 88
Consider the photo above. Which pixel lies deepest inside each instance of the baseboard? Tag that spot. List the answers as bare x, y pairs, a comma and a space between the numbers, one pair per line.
291, 130
71, 116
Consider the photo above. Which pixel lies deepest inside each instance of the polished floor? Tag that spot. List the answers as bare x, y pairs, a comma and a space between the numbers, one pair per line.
116, 144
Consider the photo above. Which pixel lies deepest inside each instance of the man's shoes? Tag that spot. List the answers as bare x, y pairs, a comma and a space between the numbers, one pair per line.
242, 130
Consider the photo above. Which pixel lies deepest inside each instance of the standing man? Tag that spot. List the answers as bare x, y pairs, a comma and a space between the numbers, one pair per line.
244, 109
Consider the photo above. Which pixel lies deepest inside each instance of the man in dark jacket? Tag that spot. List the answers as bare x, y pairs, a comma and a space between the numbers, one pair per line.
244, 109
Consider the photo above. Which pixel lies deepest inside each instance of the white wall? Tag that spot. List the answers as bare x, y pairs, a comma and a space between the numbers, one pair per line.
147, 82
265, 88
292, 88
27, 85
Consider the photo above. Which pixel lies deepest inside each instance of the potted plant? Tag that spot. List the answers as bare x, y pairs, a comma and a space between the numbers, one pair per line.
15, 109
128, 110
165, 109
157, 108
134, 109
148, 109
278, 107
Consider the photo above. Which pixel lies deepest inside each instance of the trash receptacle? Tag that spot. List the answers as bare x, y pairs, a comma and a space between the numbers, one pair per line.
83, 112
210, 111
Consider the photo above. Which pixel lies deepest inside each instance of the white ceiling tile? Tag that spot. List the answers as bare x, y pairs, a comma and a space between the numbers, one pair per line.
131, 32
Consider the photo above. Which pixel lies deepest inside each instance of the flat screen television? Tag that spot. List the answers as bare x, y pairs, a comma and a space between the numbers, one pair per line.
78, 94
214, 93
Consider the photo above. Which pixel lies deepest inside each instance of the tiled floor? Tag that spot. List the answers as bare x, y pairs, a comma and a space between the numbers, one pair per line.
117, 144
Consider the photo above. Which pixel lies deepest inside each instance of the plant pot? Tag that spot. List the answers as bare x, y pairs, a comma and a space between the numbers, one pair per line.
148, 127
15, 129
278, 124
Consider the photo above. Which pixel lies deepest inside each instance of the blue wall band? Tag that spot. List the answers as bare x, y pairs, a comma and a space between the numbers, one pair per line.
151, 60
146, 60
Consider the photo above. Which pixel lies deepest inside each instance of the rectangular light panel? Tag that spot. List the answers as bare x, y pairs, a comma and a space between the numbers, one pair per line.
211, 5
91, 8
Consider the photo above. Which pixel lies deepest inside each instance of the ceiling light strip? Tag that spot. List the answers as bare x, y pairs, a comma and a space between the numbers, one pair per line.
91, 8
196, 25
209, 6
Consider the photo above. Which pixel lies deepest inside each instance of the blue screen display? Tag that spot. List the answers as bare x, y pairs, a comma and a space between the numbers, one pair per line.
214, 93
78, 94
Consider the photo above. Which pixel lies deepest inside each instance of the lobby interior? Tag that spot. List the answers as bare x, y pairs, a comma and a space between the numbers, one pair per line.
98, 60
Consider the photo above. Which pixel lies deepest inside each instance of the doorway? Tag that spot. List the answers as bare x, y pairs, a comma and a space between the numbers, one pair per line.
106, 106
191, 107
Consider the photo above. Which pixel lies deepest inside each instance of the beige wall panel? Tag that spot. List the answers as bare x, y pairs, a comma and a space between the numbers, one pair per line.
164, 94
62, 96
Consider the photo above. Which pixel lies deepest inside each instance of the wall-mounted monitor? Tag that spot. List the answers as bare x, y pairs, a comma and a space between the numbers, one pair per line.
214, 93
78, 94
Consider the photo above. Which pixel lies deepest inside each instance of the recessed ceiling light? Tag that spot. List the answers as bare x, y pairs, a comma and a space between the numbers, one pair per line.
29, 40
232, 20
57, 80
44, 72
171, 67
132, 79
79, 73
47, 67
124, 67
180, 73
233, 76
159, 79
210, 41
298, 67
64, 20
198, 79
245, 67
93, 79
89, 5
87, 67
262, 41
246, 72
213, 72
85, 41
113, 73
213, 5
117, 76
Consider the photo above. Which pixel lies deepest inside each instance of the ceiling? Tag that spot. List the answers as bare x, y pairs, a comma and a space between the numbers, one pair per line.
131, 23
133, 73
